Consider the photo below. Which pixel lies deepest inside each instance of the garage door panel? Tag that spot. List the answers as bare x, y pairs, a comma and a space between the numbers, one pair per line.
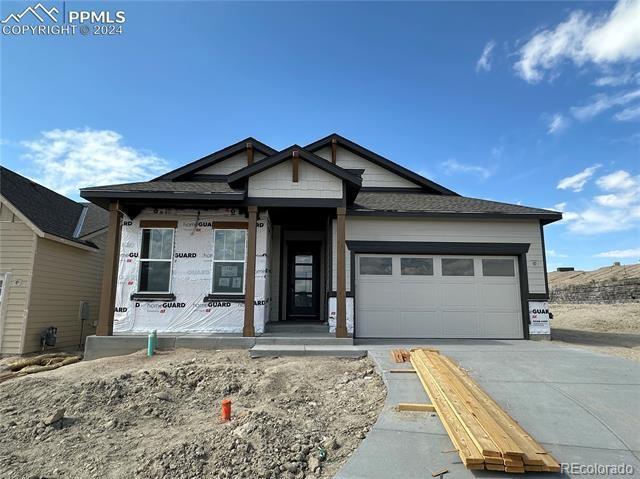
460, 324
419, 295
376, 294
422, 303
501, 325
378, 324
428, 322
458, 295
499, 296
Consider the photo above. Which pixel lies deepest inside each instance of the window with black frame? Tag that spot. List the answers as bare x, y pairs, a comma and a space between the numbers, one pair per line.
229, 246
156, 255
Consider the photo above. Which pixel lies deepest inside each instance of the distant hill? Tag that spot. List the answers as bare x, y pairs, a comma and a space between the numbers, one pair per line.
558, 279
608, 284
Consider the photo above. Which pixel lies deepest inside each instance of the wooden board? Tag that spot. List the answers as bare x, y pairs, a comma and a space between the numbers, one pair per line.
478, 435
405, 406
484, 435
534, 453
502, 440
469, 453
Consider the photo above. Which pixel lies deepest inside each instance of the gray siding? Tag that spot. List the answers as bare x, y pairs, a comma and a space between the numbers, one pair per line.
17, 246
312, 182
454, 230
63, 276
373, 176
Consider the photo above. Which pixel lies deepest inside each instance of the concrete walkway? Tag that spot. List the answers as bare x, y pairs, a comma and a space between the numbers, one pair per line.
583, 407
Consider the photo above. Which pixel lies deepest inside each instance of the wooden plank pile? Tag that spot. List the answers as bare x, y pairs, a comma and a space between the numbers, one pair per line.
485, 436
400, 355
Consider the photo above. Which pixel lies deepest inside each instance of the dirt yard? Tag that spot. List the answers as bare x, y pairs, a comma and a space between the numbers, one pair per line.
607, 328
134, 416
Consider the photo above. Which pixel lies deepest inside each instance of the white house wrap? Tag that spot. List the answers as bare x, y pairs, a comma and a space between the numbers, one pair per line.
191, 277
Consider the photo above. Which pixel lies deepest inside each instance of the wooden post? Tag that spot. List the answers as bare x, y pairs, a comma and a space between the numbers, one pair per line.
341, 296
296, 166
110, 272
249, 153
250, 285
334, 150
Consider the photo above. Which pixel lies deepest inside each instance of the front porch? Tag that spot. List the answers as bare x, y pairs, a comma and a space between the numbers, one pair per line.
293, 289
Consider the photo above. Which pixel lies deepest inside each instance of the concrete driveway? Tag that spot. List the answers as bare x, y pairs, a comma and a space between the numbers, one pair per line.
582, 406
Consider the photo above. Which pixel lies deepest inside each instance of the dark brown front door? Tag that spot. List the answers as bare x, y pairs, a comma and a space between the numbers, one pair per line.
303, 285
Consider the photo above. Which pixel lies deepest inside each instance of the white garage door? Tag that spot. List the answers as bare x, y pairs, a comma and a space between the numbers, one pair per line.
422, 296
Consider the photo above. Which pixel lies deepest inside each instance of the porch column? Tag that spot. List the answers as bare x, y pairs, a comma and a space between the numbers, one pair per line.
250, 285
110, 272
341, 296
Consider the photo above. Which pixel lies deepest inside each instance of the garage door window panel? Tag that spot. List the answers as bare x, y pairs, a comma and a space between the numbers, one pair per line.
376, 266
457, 267
416, 266
498, 267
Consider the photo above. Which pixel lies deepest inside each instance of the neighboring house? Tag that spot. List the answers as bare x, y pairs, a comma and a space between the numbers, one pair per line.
330, 233
51, 261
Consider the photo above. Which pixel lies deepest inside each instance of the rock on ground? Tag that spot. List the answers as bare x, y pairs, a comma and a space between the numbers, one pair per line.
140, 417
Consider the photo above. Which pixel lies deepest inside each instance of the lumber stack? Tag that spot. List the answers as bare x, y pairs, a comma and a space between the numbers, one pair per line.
400, 355
485, 436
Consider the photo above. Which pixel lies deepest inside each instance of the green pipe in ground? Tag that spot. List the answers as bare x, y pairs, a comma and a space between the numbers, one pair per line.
150, 345
155, 339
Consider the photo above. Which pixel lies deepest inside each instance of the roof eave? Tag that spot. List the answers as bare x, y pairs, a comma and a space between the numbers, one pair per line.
102, 197
543, 217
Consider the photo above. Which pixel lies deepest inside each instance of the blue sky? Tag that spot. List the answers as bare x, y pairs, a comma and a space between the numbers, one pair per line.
532, 103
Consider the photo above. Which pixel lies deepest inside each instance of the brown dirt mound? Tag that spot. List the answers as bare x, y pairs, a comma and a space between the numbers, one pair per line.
158, 417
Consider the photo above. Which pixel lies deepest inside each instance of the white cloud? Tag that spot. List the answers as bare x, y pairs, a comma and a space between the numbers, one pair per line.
620, 253
618, 180
557, 124
577, 181
602, 102
617, 211
453, 166
617, 80
628, 114
554, 254
582, 38
560, 206
67, 160
484, 62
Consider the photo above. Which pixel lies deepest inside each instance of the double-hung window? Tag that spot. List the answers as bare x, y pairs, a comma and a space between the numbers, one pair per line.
155, 260
229, 246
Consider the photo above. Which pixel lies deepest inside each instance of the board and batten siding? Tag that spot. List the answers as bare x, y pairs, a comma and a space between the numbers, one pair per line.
453, 230
63, 277
231, 164
374, 176
17, 246
277, 182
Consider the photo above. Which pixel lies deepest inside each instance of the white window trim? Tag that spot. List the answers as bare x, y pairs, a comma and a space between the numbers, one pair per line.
214, 261
170, 260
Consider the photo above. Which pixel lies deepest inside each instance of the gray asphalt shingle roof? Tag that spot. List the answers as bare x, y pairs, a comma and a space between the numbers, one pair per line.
47, 210
201, 187
420, 202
